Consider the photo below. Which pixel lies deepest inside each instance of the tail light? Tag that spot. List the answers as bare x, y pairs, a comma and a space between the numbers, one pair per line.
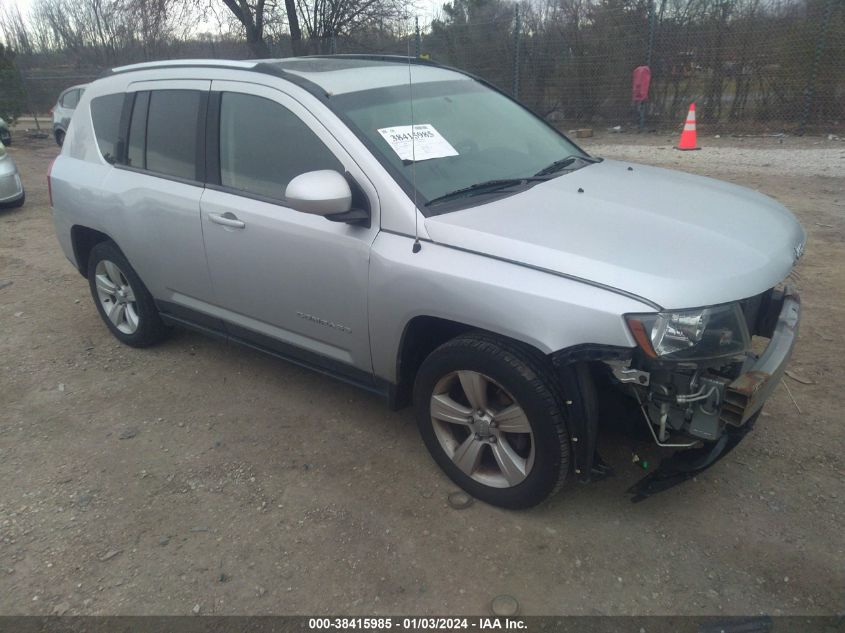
50, 180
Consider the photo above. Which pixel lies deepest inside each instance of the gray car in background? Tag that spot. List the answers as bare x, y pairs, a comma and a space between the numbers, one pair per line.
440, 246
11, 188
64, 109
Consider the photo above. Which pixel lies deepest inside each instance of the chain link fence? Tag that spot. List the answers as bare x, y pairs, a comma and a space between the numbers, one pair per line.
746, 65
749, 65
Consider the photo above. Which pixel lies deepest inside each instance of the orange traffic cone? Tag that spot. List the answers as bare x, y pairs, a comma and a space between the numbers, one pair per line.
688, 138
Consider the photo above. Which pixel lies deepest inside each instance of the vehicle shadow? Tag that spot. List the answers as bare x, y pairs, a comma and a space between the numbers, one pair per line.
623, 442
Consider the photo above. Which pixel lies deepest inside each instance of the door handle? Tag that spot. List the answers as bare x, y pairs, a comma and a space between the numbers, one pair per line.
226, 219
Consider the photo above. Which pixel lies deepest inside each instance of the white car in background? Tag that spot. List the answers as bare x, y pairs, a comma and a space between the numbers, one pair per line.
11, 187
63, 110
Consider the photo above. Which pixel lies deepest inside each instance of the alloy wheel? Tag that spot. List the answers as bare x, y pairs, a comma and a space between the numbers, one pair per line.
116, 296
482, 428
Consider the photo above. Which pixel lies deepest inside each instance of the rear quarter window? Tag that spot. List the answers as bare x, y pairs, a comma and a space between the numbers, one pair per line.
105, 114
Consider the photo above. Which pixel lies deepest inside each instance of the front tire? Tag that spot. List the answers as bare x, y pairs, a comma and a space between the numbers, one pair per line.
123, 301
60, 137
490, 413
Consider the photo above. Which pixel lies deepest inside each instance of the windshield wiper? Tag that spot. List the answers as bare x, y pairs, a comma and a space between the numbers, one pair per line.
563, 163
488, 186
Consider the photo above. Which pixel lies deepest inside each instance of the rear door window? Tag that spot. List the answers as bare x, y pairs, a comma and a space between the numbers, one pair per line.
105, 114
169, 146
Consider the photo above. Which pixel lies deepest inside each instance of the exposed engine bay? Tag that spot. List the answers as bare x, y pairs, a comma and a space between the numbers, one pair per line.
685, 399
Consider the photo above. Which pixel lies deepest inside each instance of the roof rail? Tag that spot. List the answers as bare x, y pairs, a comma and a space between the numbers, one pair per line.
182, 63
261, 63
399, 59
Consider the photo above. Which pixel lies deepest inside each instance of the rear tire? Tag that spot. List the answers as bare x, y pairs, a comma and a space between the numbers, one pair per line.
491, 414
123, 301
60, 138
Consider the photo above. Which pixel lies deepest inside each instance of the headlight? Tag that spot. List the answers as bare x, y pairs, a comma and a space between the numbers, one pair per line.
691, 334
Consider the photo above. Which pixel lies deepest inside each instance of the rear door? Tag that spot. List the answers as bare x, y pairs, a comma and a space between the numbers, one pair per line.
159, 188
284, 279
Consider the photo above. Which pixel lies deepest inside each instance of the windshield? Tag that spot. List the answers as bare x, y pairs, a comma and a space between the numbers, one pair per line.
465, 134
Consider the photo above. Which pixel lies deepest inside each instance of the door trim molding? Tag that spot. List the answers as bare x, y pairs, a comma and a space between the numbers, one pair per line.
178, 315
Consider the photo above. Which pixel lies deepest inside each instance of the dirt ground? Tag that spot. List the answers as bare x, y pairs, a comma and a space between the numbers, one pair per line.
197, 477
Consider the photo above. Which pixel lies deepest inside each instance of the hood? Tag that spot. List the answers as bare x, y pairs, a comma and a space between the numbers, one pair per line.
675, 239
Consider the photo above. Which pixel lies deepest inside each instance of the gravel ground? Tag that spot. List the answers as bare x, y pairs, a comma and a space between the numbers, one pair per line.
764, 156
764, 162
195, 477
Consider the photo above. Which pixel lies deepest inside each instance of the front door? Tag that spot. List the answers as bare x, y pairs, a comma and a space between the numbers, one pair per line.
282, 278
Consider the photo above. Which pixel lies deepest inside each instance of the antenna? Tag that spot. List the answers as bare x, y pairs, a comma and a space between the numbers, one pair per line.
417, 246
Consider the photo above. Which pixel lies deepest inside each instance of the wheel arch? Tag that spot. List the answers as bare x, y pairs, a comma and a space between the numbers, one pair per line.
423, 334
83, 240
573, 370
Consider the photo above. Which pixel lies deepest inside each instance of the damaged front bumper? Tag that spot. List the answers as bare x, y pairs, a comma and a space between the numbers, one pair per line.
742, 400
745, 396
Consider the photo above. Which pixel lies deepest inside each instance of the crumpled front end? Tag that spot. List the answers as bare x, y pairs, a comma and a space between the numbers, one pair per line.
704, 407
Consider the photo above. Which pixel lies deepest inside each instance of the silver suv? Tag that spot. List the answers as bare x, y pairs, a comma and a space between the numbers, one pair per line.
438, 244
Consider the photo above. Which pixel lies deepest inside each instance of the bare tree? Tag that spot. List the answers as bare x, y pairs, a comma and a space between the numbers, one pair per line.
324, 19
14, 29
319, 20
251, 16
293, 24
157, 24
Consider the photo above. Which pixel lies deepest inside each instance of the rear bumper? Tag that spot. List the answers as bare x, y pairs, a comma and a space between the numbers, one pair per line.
745, 396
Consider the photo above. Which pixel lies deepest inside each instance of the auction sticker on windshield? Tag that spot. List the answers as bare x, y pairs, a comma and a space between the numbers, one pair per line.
427, 142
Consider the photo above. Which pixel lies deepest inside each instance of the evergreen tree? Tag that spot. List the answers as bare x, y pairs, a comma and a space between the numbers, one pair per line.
12, 95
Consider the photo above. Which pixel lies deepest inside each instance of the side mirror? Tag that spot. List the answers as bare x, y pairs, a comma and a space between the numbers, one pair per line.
324, 192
